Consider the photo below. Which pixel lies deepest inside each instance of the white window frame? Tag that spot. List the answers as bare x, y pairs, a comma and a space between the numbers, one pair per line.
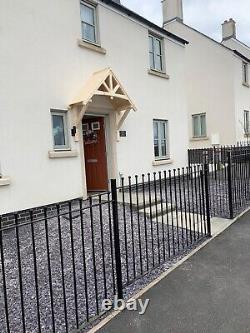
154, 54
160, 139
199, 115
64, 114
245, 72
247, 122
94, 7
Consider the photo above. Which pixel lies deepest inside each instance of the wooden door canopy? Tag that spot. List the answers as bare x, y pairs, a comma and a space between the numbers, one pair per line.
104, 83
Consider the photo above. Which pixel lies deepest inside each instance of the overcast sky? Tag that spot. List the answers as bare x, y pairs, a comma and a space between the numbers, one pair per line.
204, 15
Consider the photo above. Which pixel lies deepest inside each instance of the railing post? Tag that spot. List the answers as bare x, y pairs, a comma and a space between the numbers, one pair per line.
206, 171
215, 163
116, 239
229, 181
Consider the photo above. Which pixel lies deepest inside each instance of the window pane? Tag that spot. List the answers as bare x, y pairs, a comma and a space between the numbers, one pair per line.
246, 122
152, 64
151, 41
163, 130
163, 148
58, 130
157, 46
156, 130
196, 126
88, 14
158, 63
203, 125
156, 148
156, 139
88, 32
245, 72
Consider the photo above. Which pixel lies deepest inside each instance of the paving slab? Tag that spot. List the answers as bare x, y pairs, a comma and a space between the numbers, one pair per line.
190, 221
208, 293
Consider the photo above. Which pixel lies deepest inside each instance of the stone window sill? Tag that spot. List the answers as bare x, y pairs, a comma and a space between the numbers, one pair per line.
159, 74
92, 47
62, 153
4, 181
162, 162
245, 84
202, 138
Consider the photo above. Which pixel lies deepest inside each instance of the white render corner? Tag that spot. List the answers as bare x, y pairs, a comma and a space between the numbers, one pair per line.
62, 154
4, 181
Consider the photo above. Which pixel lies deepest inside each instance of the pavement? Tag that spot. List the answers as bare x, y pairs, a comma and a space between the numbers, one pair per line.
208, 293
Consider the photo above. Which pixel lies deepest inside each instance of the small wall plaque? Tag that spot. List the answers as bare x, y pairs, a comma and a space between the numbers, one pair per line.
123, 134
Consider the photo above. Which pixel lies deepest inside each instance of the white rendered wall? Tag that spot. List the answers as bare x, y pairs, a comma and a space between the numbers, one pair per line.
42, 67
210, 85
242, 92
242, 100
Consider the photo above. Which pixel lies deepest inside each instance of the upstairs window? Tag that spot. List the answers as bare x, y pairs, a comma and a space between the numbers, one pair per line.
246, 122
161, 150
199, 125
88, 18
245, 72
156, 53
60, 130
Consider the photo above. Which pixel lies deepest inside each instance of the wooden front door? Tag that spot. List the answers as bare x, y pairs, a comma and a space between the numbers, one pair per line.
95, 153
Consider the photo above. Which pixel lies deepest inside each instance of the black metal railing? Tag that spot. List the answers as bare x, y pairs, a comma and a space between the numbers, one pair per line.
239, 182
160, 217
219, 178
215, 154
56, 269
228, 178
58, 263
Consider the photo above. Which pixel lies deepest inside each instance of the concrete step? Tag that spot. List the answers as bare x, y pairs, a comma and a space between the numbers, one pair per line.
157, 210
134, 199
194, 221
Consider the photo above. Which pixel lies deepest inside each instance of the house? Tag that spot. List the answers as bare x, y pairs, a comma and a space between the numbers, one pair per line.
89, 91
217, 79
241, 62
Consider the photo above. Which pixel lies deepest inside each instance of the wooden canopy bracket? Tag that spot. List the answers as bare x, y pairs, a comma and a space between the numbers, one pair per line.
122, 119
81, 114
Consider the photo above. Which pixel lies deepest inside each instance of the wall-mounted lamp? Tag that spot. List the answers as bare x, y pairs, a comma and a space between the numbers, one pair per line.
73, 131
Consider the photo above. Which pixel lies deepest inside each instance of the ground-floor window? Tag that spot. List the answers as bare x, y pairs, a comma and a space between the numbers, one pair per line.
60, 129
161, 149
199, 125
246, 122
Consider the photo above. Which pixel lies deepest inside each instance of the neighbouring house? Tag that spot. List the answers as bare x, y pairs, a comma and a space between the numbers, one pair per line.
241, 61
89, 91
217, 81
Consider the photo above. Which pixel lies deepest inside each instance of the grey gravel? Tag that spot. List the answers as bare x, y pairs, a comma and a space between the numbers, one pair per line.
137, 271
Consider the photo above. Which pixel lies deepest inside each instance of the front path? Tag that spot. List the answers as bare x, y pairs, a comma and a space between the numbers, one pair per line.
209, 293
